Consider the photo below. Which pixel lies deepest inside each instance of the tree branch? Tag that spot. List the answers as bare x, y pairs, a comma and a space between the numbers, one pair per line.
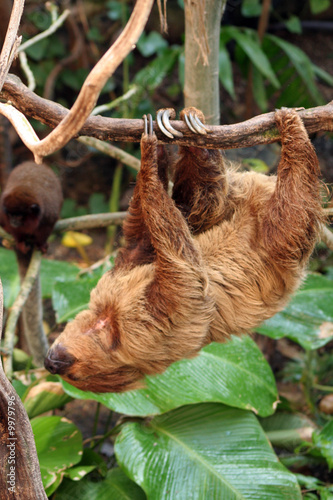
16, 309
97, 78
12, 42
258, 130
23, 480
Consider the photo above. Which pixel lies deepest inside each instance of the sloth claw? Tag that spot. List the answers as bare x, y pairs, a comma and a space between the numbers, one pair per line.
148, 128
195, 124
163, 122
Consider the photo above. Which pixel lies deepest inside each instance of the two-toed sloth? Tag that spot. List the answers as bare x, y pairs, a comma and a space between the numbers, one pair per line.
220, 256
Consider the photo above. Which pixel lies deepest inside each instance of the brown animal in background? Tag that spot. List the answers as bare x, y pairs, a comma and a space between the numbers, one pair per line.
30, 205
225, 254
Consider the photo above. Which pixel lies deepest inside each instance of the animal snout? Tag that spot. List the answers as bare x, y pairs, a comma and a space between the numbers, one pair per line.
58, 360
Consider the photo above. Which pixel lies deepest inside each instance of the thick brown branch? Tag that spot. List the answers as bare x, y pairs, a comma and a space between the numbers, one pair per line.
258, 130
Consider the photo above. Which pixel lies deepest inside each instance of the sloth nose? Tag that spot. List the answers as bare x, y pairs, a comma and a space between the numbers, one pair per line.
58, 359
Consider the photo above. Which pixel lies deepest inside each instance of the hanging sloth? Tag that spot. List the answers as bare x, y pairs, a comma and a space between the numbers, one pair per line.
220, 256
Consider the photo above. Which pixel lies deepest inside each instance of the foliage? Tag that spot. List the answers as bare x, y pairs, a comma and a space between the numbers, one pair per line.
205, 437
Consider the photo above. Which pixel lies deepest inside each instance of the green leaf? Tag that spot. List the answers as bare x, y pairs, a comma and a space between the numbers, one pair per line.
255, 164
235, 373
53, 271
259, 90
115, 486
287, 430
38, 51
225, 73
318, 6
251, 8
324, 442
307, 320
154, 73
58, 444
294, 24
98, 204
201, 452
74, 79
302, 65
323, 75
249, 43
72, 296
9, 276
114, 11
44, 397
150, 44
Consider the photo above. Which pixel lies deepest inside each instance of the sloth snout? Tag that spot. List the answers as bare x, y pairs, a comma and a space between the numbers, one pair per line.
58, 360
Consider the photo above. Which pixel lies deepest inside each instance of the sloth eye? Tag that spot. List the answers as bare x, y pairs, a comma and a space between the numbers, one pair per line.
35, 209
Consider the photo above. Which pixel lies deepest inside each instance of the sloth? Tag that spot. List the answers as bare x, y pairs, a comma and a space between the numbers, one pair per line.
220, 256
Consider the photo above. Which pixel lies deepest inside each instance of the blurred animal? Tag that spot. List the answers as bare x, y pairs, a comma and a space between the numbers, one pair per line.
219, 258
30, 205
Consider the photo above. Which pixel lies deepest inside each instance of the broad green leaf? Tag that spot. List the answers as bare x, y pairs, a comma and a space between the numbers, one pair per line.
324, 442
154, 73
256, 164
302, 65
72, 296
235, 373
225, 71
318, 6
323, 75
259, 90
44, 397
115, 486
287, 430
114, 11
53, 271
251, 8
151, 43
250, 45
206, 451
58, 444
294, 24
307, 319
9, 276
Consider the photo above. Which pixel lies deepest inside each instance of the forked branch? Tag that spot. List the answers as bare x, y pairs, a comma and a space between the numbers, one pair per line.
73, 121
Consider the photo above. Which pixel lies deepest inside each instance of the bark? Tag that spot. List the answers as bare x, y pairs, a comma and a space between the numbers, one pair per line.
258, 130
19, 468
202, 41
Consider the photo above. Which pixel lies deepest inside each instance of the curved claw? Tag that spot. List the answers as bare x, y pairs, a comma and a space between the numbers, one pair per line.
148, 128
189, 124
198, 126
164, 124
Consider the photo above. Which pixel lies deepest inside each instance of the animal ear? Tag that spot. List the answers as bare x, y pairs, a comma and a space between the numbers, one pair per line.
110, 325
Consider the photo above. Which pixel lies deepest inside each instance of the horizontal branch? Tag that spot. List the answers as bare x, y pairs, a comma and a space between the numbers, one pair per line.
258, 130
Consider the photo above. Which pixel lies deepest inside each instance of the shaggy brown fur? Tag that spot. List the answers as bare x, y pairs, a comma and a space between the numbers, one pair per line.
30, 205
171, 292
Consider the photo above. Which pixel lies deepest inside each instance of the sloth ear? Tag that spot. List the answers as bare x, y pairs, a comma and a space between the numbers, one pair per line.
109, 325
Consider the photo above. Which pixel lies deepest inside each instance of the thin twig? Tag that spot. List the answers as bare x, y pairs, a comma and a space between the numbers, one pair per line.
110, 150
16, 309
326, 236
44, 34
11, 43
113, 104
89, 221
27, 71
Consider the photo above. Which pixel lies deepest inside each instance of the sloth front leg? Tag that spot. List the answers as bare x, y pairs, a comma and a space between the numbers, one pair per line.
293, 214
200, 180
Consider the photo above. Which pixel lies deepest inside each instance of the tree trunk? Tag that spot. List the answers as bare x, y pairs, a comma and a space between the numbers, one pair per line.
202, 42
19, 468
